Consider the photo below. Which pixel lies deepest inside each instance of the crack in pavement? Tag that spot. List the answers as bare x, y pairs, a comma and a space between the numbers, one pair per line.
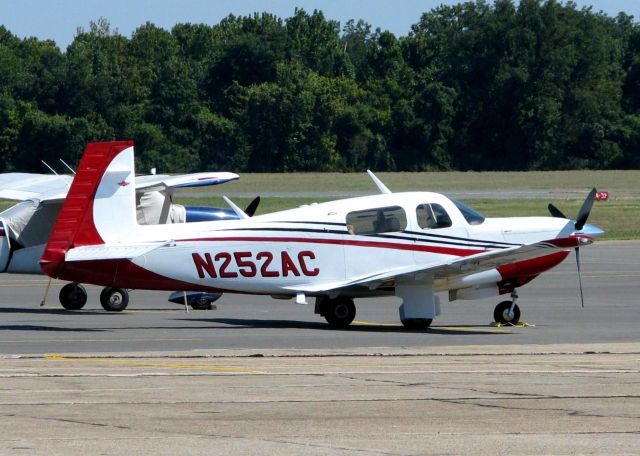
569, 412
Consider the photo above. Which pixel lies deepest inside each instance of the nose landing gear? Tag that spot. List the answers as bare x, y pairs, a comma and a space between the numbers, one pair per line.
507, 311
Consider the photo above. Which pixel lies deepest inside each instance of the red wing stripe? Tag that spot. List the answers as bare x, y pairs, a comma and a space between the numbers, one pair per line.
355, 243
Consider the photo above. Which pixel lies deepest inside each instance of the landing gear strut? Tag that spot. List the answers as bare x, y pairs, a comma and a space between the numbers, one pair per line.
507, 311
114, 299
73, 296
338, 312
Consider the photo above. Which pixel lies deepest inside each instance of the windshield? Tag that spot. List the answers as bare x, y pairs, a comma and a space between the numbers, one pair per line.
471, 216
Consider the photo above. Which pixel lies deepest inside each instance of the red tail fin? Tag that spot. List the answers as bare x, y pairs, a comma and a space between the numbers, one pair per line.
75, 226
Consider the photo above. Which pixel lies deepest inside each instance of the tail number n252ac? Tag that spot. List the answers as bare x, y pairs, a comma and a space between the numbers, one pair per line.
245, 264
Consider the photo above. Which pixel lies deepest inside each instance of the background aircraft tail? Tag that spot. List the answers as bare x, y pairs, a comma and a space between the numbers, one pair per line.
100, 206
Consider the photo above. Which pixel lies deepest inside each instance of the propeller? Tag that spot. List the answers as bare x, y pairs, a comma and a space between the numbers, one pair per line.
253, 205
556, 212
581, 220
583, 213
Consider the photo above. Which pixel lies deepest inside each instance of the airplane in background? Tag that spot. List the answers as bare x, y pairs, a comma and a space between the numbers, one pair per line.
411, 245
26, 226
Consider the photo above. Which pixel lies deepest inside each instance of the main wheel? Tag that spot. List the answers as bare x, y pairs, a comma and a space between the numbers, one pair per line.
200, 303
501, 313
73, 296
416, 324
114, 299
339, 312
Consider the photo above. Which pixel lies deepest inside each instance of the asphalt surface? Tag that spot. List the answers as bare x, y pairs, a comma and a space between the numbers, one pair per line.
260, 376
551, 304
488, 400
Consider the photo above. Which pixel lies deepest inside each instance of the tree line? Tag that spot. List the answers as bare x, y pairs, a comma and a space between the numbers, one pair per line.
534, 85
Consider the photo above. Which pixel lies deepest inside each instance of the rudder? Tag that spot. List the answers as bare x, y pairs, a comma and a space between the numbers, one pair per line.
104, 185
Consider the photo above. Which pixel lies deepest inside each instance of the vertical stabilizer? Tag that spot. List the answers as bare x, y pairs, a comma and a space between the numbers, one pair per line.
100, 204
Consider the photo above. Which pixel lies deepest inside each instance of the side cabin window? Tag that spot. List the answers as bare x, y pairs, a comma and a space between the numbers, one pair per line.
432, 216
378, 220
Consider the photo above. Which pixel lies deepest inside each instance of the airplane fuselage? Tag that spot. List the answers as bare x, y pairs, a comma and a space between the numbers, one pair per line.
324, 243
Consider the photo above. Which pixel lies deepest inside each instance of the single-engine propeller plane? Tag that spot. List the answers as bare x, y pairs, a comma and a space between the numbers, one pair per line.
411, 245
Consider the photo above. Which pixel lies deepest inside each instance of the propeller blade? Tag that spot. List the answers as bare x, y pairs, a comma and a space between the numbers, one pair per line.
555, 211
253, 205
579, 276
583, 213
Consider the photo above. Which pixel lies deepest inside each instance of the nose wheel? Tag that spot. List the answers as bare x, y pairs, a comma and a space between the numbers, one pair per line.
507, 311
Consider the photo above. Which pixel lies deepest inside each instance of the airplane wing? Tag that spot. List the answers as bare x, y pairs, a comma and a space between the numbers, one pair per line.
47, 187
455, 268
43, 187
160, 182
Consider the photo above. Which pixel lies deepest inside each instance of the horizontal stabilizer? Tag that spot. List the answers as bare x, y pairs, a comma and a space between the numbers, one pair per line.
110, 252
43, 187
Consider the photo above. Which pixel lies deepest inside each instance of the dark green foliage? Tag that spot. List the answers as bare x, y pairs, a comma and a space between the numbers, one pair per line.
477, 85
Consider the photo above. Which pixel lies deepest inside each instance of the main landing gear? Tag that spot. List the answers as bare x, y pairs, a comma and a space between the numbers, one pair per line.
507, 312
73, 296
339, 312
114, 299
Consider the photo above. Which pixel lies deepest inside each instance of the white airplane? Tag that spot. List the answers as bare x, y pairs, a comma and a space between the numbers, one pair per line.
26, 226
410, 245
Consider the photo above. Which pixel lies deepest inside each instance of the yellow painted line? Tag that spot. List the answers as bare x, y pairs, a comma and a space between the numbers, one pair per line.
169, 365
370, 323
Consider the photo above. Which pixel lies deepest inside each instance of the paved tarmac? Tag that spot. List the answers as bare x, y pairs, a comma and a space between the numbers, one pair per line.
487, 400
611, 277
260, 376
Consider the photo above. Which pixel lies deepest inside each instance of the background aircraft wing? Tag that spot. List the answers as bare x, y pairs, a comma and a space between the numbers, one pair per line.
46, 187
455, 268
43, 187
160, 182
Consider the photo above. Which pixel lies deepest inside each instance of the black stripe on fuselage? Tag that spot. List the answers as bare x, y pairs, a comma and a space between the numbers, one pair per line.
416, 233
442, 241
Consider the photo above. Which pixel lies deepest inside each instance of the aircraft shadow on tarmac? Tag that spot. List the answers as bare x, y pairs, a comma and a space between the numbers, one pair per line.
45, 328
41, 310
238, 323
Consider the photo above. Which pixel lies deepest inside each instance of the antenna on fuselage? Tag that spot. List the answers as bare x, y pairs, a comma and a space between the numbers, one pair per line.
383, 188
50, 168
68, 167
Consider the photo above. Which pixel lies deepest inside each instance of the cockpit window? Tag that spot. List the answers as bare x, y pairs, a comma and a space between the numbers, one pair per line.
379, 220
432, 216
472, 216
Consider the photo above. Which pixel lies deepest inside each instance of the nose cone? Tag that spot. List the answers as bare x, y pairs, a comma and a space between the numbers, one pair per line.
591, 231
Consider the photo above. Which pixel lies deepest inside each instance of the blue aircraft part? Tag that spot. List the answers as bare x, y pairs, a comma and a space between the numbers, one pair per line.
194, 296
208, 214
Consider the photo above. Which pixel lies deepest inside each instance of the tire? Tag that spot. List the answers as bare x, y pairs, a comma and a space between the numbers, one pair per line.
500, 313
200, 304
339, 312
73, 296
417, 324
114, 299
